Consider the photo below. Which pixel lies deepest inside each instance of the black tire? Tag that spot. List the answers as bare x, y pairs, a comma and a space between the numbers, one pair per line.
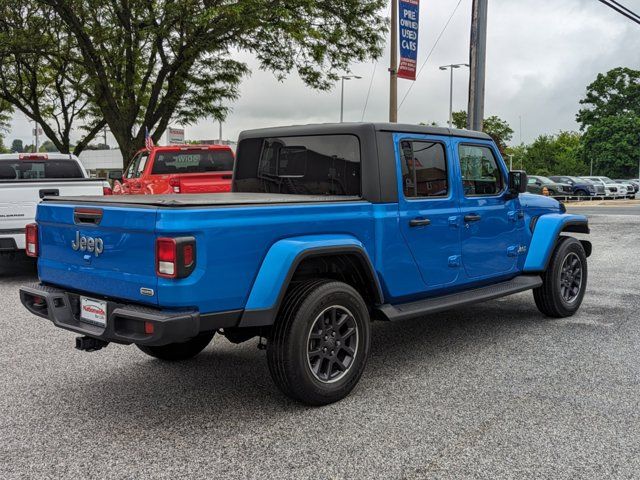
562, 292
179, 351
582, 193
299, 353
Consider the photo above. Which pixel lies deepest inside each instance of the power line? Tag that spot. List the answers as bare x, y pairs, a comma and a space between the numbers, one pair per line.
430, 52
621, 9
366, 102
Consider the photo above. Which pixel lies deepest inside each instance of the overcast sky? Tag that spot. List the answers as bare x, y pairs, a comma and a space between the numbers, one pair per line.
541, 56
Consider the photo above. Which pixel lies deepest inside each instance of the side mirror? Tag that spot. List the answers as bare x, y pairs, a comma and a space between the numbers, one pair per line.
517, 182
115, 175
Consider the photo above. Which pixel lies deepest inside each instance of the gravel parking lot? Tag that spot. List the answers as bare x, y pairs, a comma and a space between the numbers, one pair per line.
491, 391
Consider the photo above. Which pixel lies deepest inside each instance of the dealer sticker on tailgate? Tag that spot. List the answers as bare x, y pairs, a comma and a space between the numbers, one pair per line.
93, 311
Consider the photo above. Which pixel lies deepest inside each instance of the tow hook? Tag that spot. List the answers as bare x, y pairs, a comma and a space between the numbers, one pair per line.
90, 344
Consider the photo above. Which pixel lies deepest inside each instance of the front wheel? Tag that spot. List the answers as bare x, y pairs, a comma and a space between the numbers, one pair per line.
179, 351
565, 280
319, 345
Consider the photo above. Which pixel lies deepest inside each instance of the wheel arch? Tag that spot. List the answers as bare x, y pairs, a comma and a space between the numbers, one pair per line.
547, 230
302, 257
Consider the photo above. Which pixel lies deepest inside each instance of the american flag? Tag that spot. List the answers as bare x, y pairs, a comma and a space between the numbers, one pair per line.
148, 141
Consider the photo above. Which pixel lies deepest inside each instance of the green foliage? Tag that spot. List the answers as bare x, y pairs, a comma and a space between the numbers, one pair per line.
17, 146
48, 146
559, 154
5, 117
611, 122
147, 64
494, 126
41, 75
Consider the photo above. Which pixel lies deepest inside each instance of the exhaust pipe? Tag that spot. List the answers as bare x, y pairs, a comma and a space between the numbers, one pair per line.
90, 344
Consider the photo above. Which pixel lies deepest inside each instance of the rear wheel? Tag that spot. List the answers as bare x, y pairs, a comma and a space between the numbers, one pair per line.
179, 351
320, 343
582, 193
564, 281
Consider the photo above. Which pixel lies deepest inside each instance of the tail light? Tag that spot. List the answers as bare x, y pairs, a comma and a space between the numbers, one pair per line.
31, 234
106, 189
175, 184
175, 257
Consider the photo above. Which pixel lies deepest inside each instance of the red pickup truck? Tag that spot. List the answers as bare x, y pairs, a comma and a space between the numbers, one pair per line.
178, 169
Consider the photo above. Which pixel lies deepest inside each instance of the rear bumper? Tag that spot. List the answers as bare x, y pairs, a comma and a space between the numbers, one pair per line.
125, 322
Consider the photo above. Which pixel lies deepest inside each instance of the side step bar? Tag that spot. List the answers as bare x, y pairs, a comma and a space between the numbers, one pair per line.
440, 304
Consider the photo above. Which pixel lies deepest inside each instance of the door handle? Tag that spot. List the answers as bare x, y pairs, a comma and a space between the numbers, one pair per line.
474, 217
50, 192
419, 222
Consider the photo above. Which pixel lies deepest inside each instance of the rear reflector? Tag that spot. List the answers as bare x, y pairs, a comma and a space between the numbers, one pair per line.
31, 234
148, 328
175, 257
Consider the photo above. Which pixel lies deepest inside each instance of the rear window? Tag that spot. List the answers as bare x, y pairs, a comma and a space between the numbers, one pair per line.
303, 165
192, 161
36, 170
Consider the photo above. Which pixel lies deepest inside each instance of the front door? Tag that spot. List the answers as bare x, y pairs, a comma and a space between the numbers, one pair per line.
491, 219
429, 212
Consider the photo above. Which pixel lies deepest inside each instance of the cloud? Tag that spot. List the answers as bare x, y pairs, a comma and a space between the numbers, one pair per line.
541, 56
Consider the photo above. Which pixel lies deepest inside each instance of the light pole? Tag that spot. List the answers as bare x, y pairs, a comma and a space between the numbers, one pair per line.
510, 160
343, 78
452, 67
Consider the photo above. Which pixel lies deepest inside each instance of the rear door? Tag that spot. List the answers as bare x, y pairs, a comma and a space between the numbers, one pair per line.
105, 250
429, 211
492, 221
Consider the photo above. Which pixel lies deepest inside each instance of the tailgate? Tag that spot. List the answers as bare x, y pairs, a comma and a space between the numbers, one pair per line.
213, 182
104, 251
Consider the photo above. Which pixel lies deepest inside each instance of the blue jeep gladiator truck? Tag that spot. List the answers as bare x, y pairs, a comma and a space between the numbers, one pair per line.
327, 228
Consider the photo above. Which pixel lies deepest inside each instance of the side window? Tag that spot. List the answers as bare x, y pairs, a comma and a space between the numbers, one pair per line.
136, 167
481, 174
424, 169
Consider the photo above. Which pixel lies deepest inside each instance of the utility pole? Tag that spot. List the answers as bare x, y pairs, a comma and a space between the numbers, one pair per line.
220, 132
104, 135
477, 56
37, 137
393, 66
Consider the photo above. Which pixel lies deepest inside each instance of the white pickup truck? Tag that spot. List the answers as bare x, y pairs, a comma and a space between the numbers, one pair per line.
26, 178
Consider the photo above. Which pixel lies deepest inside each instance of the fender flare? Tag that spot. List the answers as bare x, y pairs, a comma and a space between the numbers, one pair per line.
280, 264
546, 231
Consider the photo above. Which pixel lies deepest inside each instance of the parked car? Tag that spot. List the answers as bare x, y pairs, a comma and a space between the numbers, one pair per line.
327, 227
611, 188
599, 186
546, 186
26, 178
177, 169
579, 186
632, 188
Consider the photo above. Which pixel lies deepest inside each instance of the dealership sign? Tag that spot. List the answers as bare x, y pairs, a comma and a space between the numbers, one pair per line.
409, 20
175, 136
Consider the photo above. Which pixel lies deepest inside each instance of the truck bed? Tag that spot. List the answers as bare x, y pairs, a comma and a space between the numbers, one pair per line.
203, 200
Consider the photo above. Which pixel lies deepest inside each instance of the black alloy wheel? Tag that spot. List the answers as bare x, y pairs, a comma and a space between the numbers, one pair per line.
333, 344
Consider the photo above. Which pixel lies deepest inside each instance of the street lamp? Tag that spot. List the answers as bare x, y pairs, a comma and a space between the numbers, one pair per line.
343, 78
452, 67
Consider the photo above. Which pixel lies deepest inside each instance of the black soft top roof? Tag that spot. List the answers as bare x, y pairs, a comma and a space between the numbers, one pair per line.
358, 129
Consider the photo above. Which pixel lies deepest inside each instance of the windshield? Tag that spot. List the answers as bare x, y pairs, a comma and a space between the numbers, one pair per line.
607, 180
544, 180
36, 170
192, 161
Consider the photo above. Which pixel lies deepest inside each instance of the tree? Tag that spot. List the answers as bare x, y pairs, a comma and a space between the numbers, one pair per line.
40, 74
17, 146
494, 126
49, 146
5, 118
560, 154
610, 120
147, 64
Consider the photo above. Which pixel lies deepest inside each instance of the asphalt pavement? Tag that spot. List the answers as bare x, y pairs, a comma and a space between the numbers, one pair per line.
491, 391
